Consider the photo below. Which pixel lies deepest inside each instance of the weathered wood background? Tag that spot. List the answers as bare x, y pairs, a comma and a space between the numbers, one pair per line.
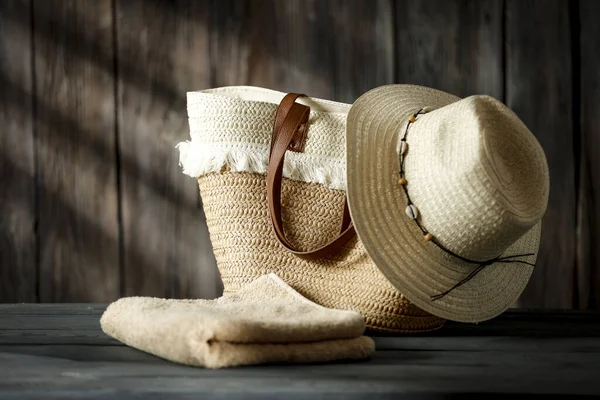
93, 205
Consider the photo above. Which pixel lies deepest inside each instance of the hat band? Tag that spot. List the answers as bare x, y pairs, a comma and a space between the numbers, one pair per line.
413, 213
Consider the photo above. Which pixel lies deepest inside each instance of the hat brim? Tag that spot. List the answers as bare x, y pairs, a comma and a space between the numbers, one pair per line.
418, 269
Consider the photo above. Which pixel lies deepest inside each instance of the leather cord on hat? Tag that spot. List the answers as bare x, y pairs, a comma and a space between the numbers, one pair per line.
430, 238
289, 133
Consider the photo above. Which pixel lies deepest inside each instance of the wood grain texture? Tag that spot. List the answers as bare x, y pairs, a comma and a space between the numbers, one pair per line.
73, 139
282, 45
539, 91
363, 46
515, 330
52, 309
322, 49
162, 52
430, 374
454, 46
588, 266
18, 270
75, 118
363, 51
59, 351
56, 337
20, 322
37, 359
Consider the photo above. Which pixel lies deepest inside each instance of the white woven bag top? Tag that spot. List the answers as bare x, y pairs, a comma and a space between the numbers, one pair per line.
232, 126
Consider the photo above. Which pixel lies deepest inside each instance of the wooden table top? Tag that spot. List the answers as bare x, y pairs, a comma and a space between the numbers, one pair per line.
58, 351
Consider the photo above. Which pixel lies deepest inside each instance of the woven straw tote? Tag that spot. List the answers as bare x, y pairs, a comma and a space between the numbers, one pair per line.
267, 214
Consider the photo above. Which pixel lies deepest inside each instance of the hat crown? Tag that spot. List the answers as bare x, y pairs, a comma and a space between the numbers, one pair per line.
478, 176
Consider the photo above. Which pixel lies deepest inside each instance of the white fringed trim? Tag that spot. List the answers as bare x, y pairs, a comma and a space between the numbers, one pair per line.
197, 159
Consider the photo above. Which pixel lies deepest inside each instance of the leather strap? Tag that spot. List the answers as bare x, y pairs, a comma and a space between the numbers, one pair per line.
282, 111
289, 133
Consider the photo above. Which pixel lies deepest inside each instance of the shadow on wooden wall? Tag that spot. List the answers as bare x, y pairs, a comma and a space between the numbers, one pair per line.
92, 102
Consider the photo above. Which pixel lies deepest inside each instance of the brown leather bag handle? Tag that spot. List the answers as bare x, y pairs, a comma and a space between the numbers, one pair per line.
289, 131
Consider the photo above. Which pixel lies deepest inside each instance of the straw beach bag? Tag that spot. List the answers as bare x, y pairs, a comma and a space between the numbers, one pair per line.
267, 214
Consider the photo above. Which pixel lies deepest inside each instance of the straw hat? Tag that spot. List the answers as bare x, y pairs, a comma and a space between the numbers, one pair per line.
447, 196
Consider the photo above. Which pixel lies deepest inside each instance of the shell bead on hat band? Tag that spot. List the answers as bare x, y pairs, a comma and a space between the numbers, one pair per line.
412, 211
403, 147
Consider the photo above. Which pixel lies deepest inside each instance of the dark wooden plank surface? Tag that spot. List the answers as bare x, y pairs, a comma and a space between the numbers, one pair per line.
538, 79
76, 165
53, 309
33, 322
588, 266
162, 52
123, 372
550, 353
18, 272
578, 332
454, 46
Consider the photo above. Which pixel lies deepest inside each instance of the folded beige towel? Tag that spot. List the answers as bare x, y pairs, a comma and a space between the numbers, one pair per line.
266, 321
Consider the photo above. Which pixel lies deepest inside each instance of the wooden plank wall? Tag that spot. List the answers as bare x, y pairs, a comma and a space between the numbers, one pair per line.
162, 51
587, 129
18, 206
539, 74
93, 204
76, 173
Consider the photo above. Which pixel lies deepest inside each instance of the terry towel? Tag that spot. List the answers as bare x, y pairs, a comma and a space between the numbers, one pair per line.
266, 321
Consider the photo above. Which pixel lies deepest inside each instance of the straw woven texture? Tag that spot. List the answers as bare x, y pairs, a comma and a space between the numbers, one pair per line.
245, 248
479, 179
233, 125
230, 131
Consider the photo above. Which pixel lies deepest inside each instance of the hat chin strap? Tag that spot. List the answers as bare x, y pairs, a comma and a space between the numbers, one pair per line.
480, 267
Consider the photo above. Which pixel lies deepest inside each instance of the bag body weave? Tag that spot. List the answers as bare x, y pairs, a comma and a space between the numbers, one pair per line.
231, 130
